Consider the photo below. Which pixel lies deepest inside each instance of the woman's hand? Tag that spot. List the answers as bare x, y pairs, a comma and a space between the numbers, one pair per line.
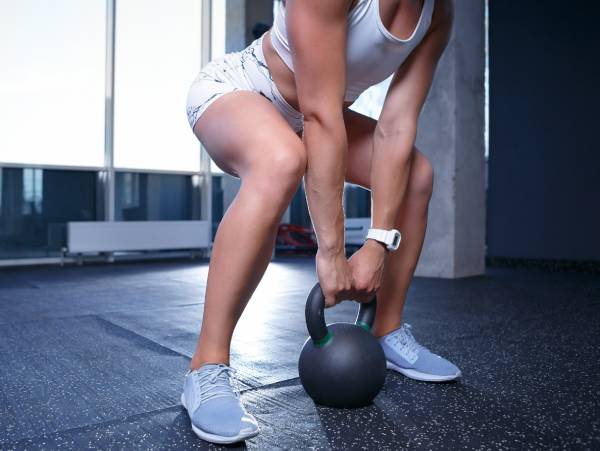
335, 277
367, 266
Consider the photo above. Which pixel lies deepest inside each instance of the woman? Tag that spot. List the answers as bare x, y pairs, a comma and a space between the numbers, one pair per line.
278, 111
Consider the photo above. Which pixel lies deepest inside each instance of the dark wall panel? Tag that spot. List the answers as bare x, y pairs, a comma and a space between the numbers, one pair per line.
36, 204
544, 167
153, 197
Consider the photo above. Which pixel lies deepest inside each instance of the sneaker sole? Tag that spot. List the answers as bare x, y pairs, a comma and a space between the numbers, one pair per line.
418, 376
218, 439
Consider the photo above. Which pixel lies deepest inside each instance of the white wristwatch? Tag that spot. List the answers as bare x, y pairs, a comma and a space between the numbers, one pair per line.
391, 238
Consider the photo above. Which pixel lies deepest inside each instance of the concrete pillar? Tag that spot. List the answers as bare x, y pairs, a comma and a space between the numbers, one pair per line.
451, 134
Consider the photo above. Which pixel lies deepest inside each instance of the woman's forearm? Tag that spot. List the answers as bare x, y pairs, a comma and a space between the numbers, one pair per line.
390, 168
326, 144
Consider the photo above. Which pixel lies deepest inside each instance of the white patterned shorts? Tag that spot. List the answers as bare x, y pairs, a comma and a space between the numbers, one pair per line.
244, 70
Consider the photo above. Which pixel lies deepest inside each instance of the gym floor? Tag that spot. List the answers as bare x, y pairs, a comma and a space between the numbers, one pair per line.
94, 357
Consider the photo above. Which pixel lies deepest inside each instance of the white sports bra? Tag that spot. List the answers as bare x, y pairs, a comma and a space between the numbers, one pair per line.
372, 54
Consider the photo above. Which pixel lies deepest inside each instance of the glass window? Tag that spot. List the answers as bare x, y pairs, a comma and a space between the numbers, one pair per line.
157, 56
35, 206
53, 82
131, 190
217, 202
218, 24
32, 191
155, 197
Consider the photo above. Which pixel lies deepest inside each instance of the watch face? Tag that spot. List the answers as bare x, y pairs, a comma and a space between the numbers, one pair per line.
396, 237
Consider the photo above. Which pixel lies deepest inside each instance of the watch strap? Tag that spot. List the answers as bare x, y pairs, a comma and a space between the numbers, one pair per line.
391, 238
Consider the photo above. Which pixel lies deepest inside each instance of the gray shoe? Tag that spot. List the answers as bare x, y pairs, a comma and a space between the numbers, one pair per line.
214, 407
406, 356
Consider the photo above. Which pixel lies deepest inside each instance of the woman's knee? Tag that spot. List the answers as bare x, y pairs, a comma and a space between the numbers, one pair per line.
421, 181
288, 164
279, 173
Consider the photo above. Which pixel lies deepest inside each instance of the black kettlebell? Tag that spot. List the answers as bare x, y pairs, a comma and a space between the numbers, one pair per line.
341, 364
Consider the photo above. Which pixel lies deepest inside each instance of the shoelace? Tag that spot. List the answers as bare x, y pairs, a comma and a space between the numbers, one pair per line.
404, 342
215, 383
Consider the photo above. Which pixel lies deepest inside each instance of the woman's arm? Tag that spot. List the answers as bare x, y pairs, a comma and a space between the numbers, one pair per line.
396, 130
317, 32
393, 143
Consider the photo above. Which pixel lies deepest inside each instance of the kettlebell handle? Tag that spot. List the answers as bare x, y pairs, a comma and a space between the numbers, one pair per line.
315, 316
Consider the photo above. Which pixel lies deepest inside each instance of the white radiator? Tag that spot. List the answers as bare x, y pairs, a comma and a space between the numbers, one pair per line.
99, 236
356, 230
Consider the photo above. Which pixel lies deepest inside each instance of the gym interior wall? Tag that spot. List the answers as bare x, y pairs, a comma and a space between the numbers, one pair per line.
544, 182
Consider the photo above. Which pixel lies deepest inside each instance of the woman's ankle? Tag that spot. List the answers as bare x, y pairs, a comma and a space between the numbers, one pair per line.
380, 330
215, 359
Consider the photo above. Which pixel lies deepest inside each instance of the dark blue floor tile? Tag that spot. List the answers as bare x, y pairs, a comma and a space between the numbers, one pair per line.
71, 372
93, 357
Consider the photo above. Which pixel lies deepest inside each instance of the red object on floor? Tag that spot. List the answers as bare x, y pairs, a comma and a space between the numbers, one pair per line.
292, 237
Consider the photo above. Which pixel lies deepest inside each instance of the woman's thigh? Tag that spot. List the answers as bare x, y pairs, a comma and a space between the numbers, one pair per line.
242, 130
360, 129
